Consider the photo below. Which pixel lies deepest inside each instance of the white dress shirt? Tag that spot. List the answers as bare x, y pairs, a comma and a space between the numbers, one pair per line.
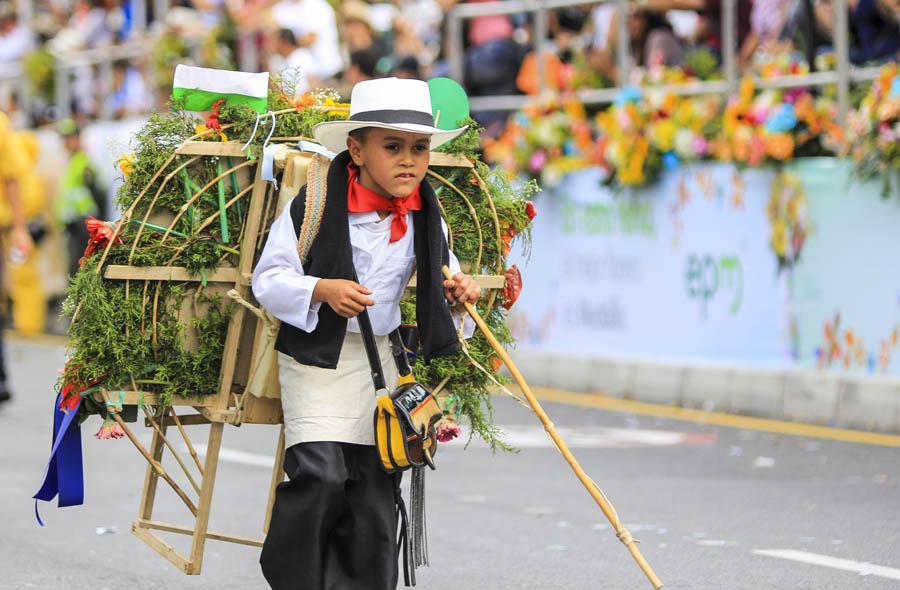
384, 267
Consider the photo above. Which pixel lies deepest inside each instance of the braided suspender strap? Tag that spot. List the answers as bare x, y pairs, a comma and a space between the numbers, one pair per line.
316, 187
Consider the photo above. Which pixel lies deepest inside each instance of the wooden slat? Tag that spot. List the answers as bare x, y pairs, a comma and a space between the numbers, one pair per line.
211, 148
133, 398
186, 420
183, 530
168, 273
485, 281
162, 548
450, 160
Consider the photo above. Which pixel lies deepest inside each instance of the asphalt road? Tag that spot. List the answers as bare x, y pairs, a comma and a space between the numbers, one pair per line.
717, 509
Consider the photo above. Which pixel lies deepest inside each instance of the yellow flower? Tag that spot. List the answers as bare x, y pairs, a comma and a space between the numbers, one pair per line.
633, 172
779, 146
126, 164
664, 134
201, 128
670, 103
779, 237
575, 110
746, 91
341, 109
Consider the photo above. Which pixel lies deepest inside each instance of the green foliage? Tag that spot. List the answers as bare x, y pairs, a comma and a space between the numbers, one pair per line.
141, 336
703, 63
112, 340
468, 144
470, 388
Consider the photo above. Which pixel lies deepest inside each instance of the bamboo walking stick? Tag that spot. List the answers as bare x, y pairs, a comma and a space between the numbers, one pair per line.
593, 489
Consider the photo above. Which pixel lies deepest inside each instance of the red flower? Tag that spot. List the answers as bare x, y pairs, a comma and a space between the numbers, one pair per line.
69, 396
448, 431
213, 121
530, 211
72, 388
101, 233
513, 286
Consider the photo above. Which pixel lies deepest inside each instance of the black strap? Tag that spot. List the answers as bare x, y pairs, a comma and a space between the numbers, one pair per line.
399, 352
398, 349
365, 326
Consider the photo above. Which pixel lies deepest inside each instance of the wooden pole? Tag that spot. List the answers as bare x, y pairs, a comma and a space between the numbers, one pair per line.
592, 488
156, 465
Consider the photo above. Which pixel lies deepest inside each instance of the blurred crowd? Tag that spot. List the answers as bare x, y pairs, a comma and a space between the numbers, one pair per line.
340, 42
118, 59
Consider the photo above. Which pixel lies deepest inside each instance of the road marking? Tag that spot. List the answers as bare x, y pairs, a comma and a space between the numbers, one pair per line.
603, 402
863, 568
239, 457
524, 436
533, 436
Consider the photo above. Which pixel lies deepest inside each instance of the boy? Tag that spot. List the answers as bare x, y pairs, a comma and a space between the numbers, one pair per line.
334, 522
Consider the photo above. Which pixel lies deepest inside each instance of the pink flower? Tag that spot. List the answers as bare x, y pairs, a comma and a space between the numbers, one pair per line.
701, 146
537, 160
448, 431
110, 429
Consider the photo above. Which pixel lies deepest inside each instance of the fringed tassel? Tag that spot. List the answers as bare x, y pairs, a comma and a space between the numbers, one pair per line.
403, 538
418, 532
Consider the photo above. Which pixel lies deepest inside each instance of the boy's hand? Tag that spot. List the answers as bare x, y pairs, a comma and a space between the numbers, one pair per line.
346, 298
461, 289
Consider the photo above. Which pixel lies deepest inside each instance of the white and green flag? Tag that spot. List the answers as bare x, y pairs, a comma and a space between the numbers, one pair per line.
199, 88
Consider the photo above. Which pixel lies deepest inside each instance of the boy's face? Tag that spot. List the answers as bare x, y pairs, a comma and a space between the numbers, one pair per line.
393, 163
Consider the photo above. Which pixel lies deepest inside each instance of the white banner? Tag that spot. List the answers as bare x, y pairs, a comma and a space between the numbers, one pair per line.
681, 270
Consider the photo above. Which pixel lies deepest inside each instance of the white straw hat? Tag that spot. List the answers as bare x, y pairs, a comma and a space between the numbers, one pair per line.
388, 103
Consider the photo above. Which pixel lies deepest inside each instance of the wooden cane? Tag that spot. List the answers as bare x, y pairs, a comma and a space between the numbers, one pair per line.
156, 465
621, 532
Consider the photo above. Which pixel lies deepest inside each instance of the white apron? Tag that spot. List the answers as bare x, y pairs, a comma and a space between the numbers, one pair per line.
335, 405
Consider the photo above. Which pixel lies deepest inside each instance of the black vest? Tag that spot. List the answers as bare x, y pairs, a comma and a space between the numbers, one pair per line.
331, 257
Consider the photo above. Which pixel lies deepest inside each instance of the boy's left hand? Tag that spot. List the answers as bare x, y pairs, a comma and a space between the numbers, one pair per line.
461, 289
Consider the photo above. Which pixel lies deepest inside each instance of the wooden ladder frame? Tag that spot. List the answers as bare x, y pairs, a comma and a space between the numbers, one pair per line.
224, 407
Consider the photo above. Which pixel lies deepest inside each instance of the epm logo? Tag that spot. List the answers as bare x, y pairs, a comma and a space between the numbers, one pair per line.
708, 278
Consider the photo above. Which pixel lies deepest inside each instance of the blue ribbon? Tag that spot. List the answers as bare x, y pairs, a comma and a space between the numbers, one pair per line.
64, 476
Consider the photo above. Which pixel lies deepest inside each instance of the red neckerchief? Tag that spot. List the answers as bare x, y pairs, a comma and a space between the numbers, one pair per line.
362, 200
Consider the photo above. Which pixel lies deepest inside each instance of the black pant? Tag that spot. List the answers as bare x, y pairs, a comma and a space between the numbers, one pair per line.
334, 524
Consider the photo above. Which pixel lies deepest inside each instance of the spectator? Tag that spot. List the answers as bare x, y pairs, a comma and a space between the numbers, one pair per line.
293, 62
710, 29
29, 309
407, 67
130, 95
877, 30
13, 161
357, 30
426, 18
15, 40
315, 26
653, 42
79, 195
363, 66
566, 26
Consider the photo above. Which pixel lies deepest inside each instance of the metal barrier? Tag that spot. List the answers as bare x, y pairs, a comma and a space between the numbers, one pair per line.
68, 66
842, 76
14, 84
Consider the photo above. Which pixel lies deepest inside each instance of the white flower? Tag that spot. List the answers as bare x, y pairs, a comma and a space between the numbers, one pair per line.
684, 144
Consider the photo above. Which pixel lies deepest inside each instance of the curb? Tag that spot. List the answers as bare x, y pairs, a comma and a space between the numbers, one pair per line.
861, 402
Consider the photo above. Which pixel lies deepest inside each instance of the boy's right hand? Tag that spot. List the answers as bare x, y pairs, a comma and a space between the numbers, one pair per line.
346, 298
